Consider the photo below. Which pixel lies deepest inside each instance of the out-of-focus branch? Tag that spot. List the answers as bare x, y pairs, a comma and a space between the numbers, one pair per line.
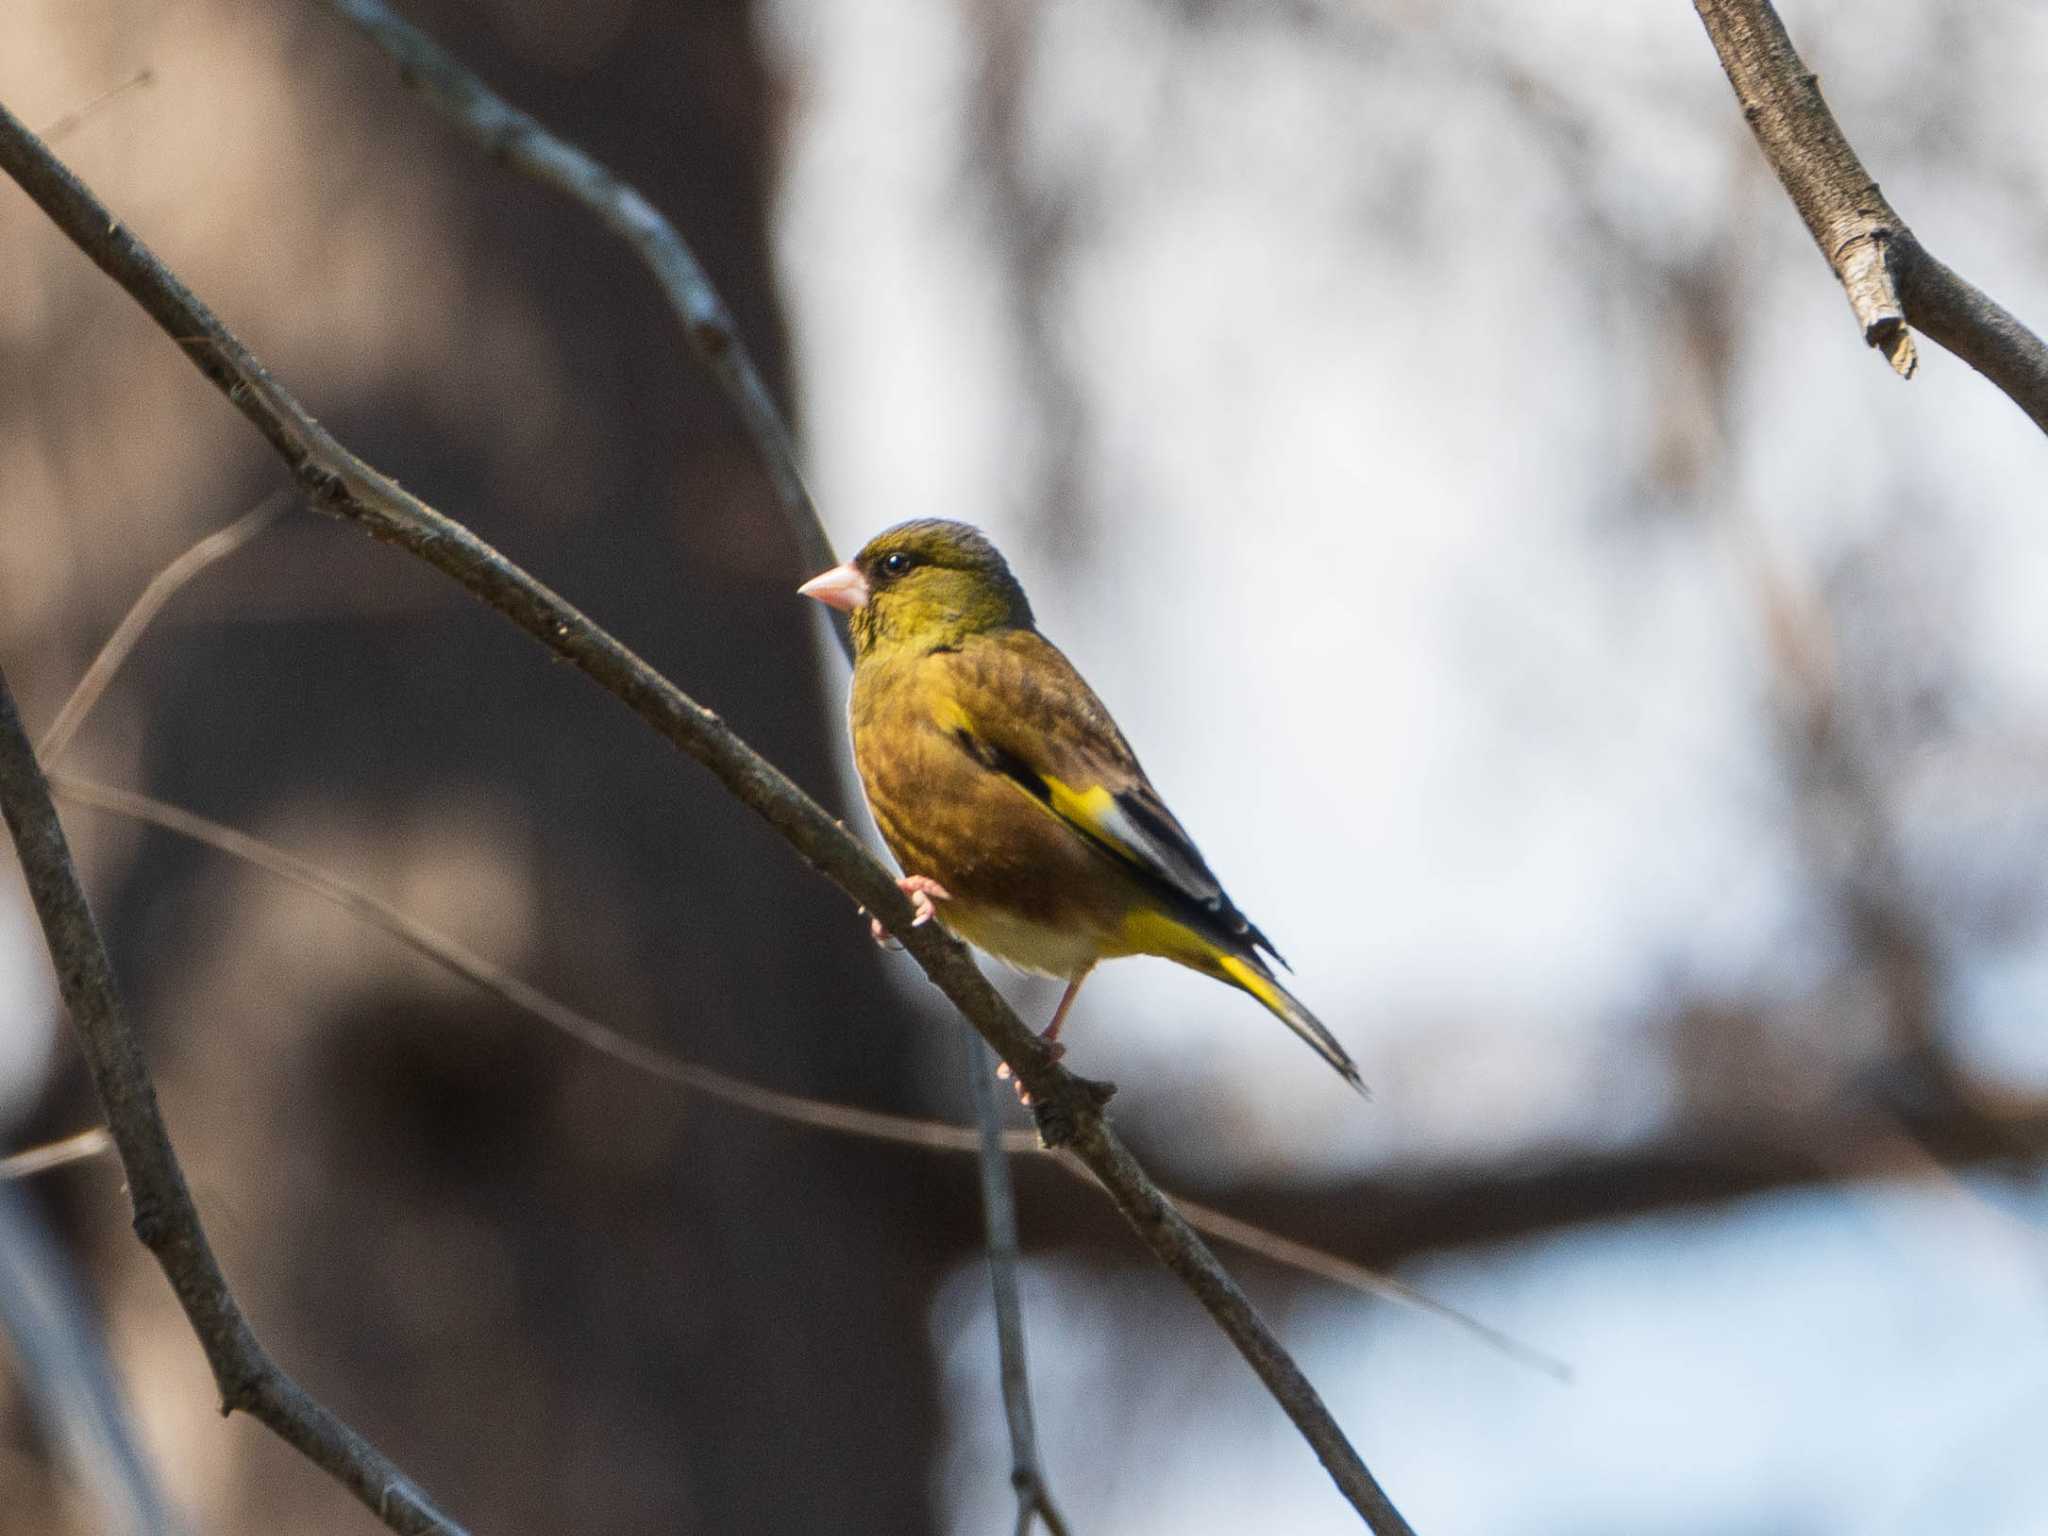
988, 1137
1850, 835
1030, 230
773, 1104
521, 143
166, 1220
162, 587
460, 960
1069, 1109
1892, 281
999, 1236
518, 141
77, 117
1703, 1162
59, 1353
75, 1148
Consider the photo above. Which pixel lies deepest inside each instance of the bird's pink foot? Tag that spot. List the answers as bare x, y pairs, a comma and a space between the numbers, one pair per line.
922, 890
1051, 1033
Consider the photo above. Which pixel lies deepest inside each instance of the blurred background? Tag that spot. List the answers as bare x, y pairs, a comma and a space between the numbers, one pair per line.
1436, 437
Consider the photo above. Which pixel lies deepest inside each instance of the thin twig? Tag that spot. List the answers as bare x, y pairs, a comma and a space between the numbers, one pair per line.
166, 1220
56, 1350
509, 988
988, 1137
790, 1108
75, 1148
162, 588
76, 118
1356, 1277
521, 143
1892, 281
1069, 1109
999, 1220
795, 1109
514, 139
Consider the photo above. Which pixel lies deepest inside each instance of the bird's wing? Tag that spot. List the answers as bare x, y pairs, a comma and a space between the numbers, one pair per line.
1020, 708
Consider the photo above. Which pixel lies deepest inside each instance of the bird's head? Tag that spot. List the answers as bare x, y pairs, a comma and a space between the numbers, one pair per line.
923, 586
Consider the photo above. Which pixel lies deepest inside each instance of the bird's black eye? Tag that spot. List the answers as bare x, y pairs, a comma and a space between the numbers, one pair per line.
896, 563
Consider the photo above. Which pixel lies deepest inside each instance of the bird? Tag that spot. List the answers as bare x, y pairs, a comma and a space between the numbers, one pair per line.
1008, 796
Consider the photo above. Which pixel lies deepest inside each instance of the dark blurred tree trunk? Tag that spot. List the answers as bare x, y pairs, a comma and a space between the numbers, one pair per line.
566, 1298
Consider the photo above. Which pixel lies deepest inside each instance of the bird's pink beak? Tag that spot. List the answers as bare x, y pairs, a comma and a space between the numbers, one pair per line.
843, 587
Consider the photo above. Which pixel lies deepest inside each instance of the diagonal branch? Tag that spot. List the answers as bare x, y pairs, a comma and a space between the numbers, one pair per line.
1891, 279
80, 115
163, 586
1069, 1109
495, 980
774, 1104
518, 141
753, 1098
75, 1148
517, 993
165, 1218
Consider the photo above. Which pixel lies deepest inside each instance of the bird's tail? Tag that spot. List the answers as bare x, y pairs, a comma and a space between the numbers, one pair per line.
1250, 973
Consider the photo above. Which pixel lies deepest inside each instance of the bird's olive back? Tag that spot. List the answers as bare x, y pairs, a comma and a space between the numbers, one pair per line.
932, 583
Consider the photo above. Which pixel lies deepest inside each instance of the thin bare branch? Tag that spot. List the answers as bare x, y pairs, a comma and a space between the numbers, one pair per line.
162, 588
518, 141
790, 1108
166, 1220
512, 138
1356, 1277
999, 1221
1974, 326
56, 1351
519, 994
988, 1137
1069, 1109
77, 117
75, 1148
1891, 280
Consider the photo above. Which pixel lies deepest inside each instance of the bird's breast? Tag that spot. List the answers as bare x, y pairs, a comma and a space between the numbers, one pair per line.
1023, 886
1019, 941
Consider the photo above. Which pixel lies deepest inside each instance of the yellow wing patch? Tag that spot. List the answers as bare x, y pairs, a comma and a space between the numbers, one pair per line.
1086, 808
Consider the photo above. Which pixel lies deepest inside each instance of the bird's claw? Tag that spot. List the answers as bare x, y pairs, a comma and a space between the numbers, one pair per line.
922, 890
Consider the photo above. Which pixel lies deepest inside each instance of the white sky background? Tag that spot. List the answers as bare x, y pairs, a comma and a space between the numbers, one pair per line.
1405, 563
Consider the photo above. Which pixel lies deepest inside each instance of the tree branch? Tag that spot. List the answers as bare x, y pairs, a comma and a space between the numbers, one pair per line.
51, 1331
518, 141
1891, 280
78, 116
1889, 1130
999, 1220
521, 996
753, 1098
75, 1148
165, 1218
1069, 1109
163, 586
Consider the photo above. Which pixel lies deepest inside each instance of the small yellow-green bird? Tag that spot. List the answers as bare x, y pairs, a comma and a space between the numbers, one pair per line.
1006, 791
